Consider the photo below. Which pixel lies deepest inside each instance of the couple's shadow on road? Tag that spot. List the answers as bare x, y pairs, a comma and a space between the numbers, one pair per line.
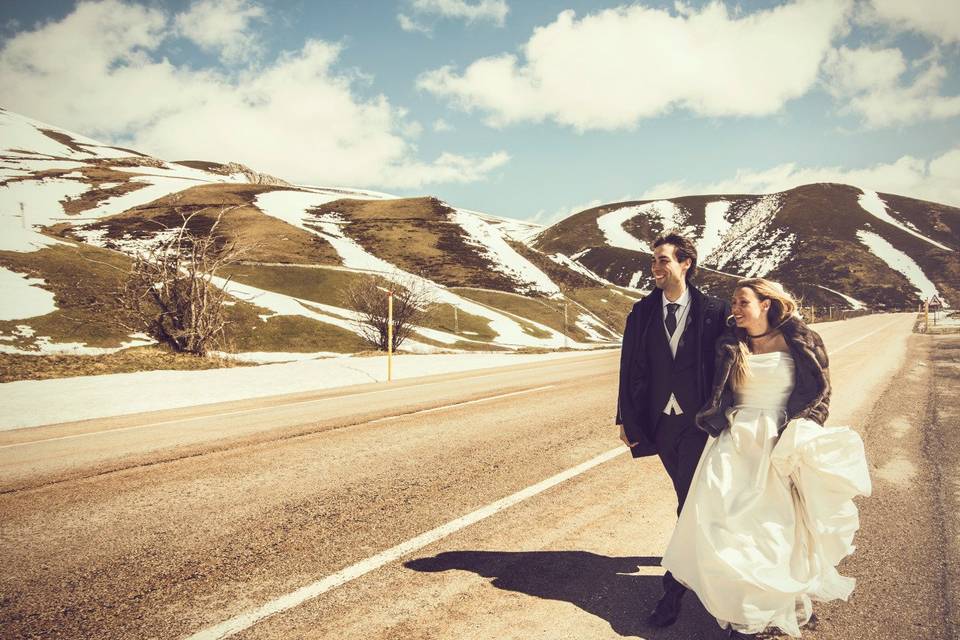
609, 588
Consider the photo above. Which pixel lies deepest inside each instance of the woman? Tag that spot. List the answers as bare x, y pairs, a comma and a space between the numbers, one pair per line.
769, 514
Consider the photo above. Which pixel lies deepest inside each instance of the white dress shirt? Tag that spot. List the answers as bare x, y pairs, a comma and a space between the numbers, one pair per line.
682, 314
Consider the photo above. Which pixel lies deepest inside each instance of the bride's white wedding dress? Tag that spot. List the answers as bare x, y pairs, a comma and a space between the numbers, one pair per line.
767, 519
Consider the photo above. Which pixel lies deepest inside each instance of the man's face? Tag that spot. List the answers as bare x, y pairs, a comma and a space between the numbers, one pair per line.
667, 272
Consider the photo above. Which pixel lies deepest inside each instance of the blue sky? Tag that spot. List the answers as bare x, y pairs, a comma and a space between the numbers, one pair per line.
529, 109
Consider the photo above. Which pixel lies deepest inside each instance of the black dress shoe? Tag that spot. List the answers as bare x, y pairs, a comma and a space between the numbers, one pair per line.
667, 610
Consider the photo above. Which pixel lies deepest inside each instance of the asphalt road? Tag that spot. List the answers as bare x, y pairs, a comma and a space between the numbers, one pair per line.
342, 514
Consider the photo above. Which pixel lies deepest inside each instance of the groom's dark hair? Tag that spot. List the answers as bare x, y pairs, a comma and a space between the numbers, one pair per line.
683, 247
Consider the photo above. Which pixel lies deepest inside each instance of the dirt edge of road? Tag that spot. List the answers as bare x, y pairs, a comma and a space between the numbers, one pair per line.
942, 446
906, 562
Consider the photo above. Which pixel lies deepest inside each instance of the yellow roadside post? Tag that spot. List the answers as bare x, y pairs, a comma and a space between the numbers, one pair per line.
926, 316
389, 336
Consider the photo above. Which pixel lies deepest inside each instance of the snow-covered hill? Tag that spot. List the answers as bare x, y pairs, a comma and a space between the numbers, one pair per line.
832, 244
64, 198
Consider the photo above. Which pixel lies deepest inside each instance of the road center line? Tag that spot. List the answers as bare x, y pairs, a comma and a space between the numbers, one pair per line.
283, 603
460, 404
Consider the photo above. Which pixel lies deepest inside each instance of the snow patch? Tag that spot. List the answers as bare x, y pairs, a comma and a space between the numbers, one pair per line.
504, 258
24, 134
715, 227
41, 206
157, 187
44, 346
753, 244
280, 304
871, 202
267, 357
20, 298
664, 212
29, 403
518, 230
853, 302
900, 262
596, 331
611, 224
292, 206
670, 216
561, 259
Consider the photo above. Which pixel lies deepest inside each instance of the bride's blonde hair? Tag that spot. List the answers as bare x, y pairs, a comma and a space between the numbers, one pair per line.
783, 306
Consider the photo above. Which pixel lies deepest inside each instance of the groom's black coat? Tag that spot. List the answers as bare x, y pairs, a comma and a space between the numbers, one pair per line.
639, 402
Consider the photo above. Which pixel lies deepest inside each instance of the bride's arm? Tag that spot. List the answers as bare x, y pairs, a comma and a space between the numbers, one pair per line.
712, 417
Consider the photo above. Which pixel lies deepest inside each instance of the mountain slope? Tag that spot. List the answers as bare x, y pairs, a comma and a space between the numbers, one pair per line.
831, 244
307, 243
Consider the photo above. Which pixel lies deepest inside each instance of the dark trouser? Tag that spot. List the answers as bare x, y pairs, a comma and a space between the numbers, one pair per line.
679, 444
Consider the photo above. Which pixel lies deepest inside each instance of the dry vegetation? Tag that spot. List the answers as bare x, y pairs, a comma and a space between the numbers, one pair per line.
83, 280
416, 235
273, 240
23, 367
545, 311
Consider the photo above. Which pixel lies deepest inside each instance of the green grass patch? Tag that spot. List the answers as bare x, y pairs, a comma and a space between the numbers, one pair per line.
543, 310
446, 317
83, 280
459, 344
245, 331
325, 286
612, 308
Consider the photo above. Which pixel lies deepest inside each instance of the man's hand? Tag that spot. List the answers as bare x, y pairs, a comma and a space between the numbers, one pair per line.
625, 439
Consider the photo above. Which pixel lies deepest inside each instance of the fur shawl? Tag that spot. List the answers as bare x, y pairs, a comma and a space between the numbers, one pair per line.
810, 397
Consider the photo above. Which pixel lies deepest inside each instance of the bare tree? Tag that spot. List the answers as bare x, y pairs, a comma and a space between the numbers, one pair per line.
170, 291
369, 298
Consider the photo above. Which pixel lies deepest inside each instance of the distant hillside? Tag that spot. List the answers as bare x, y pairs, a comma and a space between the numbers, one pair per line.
832, 244
70, 206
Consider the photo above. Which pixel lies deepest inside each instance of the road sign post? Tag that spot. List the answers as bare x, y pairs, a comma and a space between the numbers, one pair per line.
389, 336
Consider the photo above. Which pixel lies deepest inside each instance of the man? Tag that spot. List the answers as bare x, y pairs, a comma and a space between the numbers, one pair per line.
666, 373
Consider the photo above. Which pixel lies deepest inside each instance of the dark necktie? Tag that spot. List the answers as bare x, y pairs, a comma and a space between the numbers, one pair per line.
671, 320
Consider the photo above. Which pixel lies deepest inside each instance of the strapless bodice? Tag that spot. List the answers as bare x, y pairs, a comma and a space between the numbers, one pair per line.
769, 384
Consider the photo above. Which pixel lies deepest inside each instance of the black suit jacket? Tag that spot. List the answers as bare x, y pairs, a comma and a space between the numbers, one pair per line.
707, 321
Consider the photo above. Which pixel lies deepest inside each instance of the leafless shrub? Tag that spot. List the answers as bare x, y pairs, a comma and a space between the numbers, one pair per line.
170, 291
369, 298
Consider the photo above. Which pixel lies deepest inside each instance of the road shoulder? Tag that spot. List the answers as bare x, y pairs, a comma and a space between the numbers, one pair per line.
904, 575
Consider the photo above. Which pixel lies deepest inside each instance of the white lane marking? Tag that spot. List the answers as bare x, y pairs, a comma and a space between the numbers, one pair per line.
246, 620
460, 404
238, 411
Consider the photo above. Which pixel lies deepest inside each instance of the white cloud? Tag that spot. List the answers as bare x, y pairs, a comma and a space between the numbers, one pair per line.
934, 179
938, 18
611, 69
223, 27
492, 10
409, 24
441, 126
547, 218
870, 83
450, 168
98, 72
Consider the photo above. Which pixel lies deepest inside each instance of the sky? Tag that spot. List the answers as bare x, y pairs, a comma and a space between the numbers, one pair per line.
531, 110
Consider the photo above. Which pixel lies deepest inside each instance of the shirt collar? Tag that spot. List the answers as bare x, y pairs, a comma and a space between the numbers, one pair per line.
682, 300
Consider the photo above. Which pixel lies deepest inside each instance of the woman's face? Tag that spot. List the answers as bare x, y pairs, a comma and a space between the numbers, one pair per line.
749, 311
